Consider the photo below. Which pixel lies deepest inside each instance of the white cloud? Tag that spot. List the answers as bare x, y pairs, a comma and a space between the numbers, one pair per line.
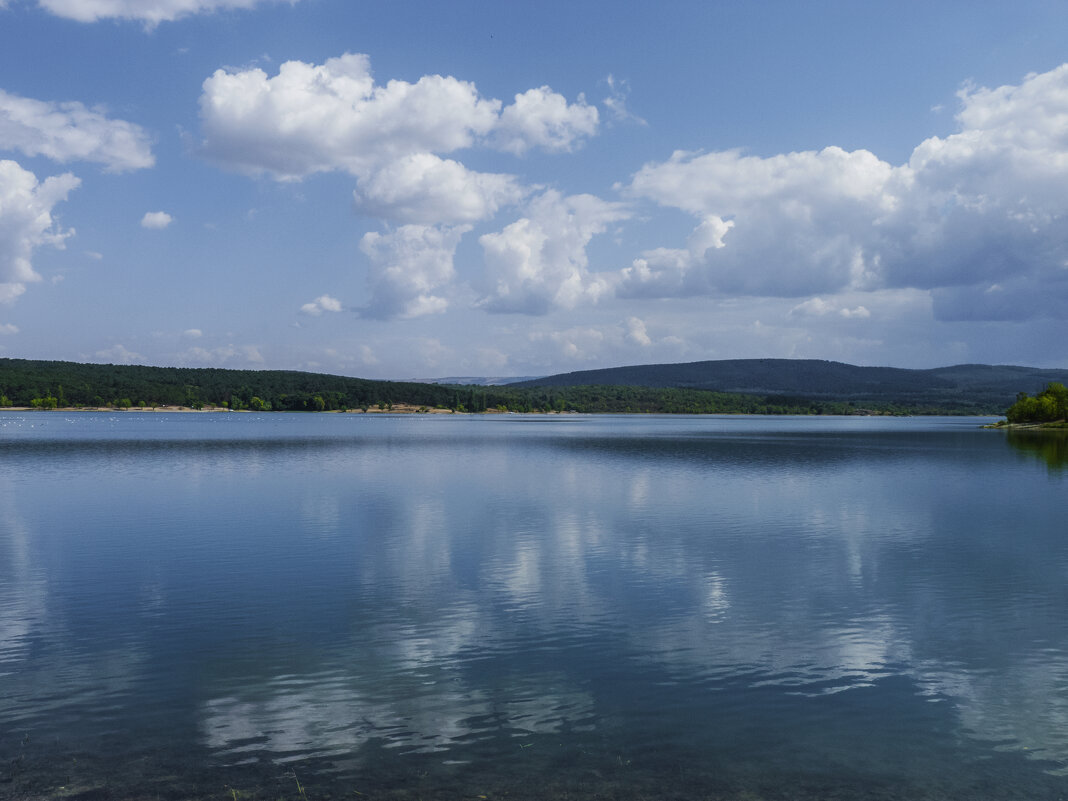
67, 132
193, 333
616, 102
813, 307
430, 352
151, 12
410, 268
225, 354
26, 223
859, 313
423, 188
980, 207
542, 118
818, 307
784, 226
156, 219
367, 355
539, 262
637, 333
578, 344
119, 354
491, 359
323, 303
8, 328
330, 117
319, 118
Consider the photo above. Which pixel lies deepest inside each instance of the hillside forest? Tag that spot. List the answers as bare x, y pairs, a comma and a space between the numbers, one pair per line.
52, 385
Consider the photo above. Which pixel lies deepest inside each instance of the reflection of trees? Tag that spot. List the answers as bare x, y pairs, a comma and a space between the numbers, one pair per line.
1049, 445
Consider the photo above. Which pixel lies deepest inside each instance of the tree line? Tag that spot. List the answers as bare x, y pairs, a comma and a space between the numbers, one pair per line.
50, 384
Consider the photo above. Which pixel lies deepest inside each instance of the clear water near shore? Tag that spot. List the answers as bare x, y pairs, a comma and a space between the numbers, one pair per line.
329, 606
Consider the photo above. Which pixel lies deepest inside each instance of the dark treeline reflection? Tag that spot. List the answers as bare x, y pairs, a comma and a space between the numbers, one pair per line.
689, 608
1049, 445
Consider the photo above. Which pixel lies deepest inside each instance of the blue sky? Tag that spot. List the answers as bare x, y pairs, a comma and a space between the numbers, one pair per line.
419, 189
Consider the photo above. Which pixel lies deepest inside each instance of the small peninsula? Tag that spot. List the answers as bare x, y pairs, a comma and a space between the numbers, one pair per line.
1045, 409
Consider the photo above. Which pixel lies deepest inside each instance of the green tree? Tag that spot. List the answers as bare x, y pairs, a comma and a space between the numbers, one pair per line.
1049, 405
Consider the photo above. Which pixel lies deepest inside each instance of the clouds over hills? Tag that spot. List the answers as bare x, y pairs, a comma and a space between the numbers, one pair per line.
977, 217
973, 218
392, 138
444, 188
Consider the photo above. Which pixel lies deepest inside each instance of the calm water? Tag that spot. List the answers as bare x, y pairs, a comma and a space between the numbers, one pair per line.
345, 606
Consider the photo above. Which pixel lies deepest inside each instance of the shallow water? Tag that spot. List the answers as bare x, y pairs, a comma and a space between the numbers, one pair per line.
340, 606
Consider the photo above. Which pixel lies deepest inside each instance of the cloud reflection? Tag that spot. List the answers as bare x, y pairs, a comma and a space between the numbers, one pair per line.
436, 589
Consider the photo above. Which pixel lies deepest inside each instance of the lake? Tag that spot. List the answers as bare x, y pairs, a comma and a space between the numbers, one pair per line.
243, 606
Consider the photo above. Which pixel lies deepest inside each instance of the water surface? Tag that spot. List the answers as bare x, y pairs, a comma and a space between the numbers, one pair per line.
320, 606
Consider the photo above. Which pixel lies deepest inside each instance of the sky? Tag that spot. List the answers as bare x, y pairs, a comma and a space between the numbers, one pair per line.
406, 189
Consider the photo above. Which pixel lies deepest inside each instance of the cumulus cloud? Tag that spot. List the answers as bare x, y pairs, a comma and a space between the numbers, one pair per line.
976, 217
67, 132
119, 354
150, 12
318, 118
858, 313
323, 303
225, 354
578, 344
426, 189
818, 307
636, 332
156, 219
26, 223
410, 267
539, 262
542, 118
8, 329
333, 116
781, 226
314, 118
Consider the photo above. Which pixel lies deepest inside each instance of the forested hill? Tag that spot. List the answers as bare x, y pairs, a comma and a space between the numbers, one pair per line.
766, 386
74, 384
971, 384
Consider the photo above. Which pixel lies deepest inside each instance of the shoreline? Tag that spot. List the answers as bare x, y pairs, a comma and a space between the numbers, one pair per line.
408, 408
1056, 425
397, 408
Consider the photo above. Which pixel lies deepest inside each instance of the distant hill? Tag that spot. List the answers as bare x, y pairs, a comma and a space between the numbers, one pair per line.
975, 384
475, 380
744, 386
76, 384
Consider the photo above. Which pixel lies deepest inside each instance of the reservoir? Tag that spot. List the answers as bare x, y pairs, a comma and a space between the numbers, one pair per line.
344, 606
